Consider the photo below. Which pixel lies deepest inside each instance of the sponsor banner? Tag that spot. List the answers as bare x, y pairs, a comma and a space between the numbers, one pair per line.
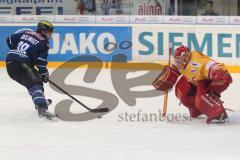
124, 19
220, 42
180, 19
75, 19
24, 19
38, 7
234, 20
138, 42
71, 41
31, 18
112, 19
146, 19
150, 7
50, 18
134, 7
6, 18
212, 19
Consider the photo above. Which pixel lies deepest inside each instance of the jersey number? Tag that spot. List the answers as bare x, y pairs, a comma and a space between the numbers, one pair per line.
22, 47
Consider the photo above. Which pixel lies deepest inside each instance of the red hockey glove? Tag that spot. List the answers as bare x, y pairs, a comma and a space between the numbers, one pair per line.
166, 79
220, 77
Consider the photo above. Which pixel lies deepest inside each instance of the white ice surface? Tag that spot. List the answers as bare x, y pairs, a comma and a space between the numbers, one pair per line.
24, 136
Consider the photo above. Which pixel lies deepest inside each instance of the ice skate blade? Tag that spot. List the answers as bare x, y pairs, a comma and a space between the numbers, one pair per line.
216, 121
53, 117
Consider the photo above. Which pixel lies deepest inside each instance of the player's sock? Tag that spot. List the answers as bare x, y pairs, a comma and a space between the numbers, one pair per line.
49, 102
41, 104
38, 96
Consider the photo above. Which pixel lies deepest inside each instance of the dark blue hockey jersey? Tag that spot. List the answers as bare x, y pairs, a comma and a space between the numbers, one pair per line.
29, 47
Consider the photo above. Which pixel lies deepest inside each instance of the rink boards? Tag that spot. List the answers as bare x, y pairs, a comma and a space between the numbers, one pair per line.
138, 44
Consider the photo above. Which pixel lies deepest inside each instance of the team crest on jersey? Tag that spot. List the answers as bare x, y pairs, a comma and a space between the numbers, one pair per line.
193, 70
195, 64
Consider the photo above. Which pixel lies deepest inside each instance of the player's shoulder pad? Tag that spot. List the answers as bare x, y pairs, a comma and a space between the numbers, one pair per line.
37, 35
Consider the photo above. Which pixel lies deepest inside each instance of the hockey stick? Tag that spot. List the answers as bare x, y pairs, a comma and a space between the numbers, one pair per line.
165, 98
97, 110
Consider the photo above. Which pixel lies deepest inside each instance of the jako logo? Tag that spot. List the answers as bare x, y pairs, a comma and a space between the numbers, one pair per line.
81, 43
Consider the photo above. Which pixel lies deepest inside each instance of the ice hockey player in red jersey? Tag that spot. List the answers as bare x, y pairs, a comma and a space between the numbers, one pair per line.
202, 80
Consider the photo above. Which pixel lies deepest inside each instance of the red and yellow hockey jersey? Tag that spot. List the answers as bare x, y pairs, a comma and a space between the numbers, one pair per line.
198, 67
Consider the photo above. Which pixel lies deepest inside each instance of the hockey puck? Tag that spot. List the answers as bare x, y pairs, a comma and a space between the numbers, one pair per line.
99, 117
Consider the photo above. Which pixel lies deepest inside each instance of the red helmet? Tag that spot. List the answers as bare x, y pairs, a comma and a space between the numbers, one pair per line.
181, 56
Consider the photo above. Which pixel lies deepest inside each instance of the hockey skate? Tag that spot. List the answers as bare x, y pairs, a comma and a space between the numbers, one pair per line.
222, 118
221, 115
43, 111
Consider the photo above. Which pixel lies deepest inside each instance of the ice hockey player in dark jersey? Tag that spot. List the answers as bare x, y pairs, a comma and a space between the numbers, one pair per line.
28, 51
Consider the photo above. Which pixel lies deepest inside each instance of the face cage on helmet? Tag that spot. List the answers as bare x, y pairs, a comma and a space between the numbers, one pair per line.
180, 61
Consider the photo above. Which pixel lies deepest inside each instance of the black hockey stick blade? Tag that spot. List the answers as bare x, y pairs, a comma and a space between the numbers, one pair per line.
99, 110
